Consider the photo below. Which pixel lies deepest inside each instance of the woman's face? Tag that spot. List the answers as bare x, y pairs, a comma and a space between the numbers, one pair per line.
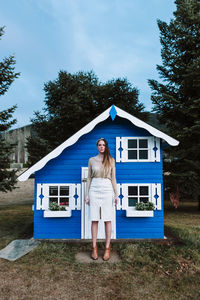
101, 146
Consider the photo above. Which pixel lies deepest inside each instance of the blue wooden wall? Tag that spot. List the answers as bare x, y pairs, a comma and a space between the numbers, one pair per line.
66, 168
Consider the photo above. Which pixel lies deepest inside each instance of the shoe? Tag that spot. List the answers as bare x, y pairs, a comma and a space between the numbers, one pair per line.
106, 254
94, 254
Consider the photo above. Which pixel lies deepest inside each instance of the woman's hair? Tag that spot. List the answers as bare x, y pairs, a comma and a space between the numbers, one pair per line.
107, 158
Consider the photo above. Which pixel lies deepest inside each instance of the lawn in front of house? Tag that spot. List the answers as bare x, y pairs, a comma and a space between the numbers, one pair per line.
148, 270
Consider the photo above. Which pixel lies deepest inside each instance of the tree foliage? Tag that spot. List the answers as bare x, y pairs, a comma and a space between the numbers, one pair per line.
72, 101
177, 98
7, 76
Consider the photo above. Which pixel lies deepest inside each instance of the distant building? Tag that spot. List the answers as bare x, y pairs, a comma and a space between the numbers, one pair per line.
17, 138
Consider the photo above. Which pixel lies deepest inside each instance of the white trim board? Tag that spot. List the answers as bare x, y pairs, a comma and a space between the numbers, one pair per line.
87, 128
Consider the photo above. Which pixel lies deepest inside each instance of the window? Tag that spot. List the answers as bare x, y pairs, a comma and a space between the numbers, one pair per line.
137, 148
59, 195
137, 194
64, 194
132, 193
141, 149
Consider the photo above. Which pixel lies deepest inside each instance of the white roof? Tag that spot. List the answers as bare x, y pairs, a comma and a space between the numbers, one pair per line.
112, 111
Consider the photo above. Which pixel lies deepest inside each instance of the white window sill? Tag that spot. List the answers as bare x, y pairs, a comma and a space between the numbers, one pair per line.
57, 213
139, 213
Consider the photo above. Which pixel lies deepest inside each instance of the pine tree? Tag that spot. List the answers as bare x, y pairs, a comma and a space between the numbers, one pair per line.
7, 76
177, 98
72, 101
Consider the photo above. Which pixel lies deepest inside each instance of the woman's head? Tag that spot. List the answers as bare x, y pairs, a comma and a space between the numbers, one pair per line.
102, 146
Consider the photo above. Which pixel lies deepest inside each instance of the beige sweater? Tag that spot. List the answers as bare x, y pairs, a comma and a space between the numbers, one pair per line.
96, 170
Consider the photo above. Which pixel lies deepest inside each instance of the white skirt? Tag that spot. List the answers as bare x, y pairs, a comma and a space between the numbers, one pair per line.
101, 198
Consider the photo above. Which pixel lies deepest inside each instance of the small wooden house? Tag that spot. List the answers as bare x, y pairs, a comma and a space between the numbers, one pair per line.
60, 177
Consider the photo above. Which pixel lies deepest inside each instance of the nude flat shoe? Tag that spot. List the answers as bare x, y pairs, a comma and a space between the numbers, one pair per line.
106, 254
94, 254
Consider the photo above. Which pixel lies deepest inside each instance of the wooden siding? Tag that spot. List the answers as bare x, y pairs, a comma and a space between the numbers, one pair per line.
67, 168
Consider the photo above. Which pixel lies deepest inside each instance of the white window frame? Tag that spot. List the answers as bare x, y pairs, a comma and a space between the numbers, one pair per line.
44, 203
59, 196
127, 196
123, 143
154, 189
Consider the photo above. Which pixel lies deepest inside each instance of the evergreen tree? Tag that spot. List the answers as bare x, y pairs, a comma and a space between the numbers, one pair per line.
177, 98
7, 76
72, 101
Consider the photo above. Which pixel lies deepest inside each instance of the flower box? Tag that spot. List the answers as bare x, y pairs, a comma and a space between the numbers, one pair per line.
57, 213
139, 213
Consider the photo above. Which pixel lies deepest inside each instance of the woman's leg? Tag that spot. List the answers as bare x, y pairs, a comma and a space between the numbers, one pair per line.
108, 231
94, 233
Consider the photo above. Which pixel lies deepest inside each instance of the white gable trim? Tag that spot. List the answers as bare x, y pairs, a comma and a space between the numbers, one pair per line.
102, 117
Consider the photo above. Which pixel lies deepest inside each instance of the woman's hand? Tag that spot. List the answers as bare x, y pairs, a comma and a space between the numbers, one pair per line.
87, 200
116, 200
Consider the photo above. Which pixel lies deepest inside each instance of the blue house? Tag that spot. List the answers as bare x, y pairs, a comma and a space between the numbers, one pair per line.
60, 177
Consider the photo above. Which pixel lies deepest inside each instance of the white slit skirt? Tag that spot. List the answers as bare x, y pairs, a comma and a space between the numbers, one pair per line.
101, 198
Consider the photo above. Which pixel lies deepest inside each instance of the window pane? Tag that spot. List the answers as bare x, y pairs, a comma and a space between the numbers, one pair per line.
132, 154
53, 191
143, 154
64, 201
144, 190
144, 199
132, 201
133, 190
132, 143
64, 191
53, 200
143, 143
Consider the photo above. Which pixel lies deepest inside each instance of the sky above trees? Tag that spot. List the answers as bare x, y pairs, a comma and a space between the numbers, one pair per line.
113, 38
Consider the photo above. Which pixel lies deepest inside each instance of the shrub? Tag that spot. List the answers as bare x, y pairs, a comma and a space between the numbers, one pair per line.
145, 206
54, 206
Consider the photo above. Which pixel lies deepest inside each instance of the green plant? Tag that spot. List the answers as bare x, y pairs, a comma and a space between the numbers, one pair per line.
54, 206
145, 206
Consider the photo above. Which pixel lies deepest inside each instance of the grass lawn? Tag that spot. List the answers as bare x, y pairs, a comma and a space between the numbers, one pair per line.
148, 270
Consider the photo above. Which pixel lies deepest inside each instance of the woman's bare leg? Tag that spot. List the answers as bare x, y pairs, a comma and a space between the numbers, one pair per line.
108, 231
94, 233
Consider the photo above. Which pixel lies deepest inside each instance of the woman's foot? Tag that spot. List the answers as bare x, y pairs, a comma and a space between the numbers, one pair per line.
94, 254
106, 254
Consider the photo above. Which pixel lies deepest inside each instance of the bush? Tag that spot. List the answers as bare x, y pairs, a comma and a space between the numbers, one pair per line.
145, 206
54, 206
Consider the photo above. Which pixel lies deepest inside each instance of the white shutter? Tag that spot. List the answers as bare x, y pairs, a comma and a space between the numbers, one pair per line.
119, 206
151, 151
72, 192
156, 193
124, 153
154, 155
157, 144
125, 194
159, 203
38, 200
45, 200
42, 189
78, 206
118, 140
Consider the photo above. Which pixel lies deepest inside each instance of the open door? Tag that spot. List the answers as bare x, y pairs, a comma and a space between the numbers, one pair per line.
85, 215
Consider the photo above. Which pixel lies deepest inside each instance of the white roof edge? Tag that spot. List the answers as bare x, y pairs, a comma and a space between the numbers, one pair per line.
70, 141
139, 123
87, 128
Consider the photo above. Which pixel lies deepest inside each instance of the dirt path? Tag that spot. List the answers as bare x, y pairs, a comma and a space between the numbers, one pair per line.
24, 193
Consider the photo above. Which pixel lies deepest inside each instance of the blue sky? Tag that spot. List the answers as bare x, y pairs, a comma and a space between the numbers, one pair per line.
114, 38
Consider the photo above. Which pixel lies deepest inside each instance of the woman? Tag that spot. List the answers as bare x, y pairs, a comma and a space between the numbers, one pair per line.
101, 192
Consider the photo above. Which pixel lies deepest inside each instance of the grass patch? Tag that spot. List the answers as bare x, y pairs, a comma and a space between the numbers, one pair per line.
148, 270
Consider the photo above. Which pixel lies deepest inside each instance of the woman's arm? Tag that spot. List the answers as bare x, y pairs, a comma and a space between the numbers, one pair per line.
113, 180
88, 181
